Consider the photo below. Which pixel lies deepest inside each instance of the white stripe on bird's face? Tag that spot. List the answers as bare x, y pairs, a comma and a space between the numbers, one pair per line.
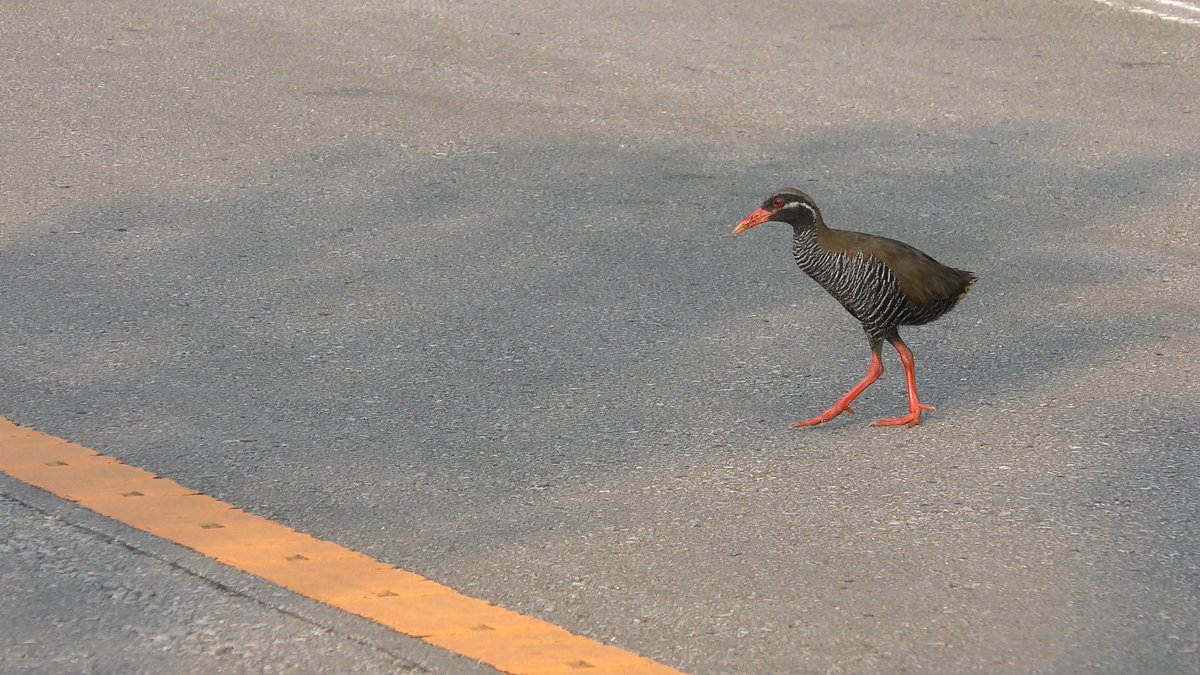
800, 205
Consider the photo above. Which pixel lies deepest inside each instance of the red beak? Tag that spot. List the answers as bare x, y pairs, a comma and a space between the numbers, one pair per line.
753, 220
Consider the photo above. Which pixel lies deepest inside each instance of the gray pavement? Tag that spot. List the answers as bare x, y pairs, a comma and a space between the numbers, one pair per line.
451, 284
84, 594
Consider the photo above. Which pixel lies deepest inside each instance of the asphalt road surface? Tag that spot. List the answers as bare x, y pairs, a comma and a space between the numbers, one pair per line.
451, 284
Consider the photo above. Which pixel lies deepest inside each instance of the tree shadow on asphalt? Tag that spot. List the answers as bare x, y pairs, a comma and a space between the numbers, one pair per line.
428, 345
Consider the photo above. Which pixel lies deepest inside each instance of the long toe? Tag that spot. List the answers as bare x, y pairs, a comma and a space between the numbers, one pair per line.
824, 417
909, 420
912, 419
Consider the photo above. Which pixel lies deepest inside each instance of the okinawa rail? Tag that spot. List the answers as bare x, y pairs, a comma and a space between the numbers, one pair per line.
882, 282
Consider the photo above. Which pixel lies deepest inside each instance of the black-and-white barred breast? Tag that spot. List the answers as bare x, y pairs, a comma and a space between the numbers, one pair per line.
865, 286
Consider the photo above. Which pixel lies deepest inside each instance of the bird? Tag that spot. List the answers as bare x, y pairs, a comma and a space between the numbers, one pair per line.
882, 282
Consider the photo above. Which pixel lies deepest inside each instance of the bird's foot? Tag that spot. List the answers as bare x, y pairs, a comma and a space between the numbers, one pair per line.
912, 419
824, 417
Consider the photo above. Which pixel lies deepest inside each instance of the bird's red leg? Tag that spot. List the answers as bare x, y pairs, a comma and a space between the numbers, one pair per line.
843, 405
915, 407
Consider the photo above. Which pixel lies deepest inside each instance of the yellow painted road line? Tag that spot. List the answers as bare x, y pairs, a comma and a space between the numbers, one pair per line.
405, 602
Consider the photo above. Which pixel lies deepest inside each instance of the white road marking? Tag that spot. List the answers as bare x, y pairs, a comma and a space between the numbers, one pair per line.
1170, 10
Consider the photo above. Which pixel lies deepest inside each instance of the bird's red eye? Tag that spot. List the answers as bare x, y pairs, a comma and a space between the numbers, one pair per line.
777, 202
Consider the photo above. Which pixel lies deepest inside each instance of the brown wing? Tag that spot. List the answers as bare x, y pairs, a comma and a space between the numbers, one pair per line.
922, 279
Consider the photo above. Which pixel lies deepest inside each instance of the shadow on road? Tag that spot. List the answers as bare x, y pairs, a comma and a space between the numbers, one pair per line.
437, 351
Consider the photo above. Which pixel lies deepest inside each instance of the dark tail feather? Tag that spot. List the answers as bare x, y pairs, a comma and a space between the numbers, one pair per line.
966, 279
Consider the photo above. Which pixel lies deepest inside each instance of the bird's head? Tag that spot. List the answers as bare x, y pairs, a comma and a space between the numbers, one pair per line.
789, 205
